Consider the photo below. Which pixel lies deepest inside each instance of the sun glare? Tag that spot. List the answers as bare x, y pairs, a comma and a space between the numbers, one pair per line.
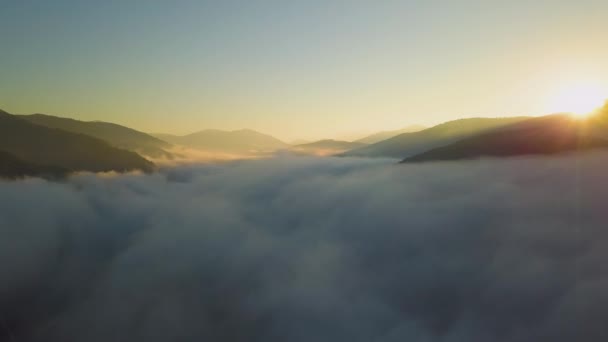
580, 99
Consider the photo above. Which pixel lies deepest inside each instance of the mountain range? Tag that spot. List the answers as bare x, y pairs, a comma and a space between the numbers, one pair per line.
379, 136
243, 141
116, 135
42, 149
552, 134
409, 144
52, 147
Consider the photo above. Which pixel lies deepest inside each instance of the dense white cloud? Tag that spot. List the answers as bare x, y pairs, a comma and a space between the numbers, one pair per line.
299, 249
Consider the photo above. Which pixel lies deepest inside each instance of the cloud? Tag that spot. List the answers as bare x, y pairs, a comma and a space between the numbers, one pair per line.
310, 249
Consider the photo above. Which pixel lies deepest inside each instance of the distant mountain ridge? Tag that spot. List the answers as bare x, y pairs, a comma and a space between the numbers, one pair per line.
39, 145
552, 134
409, 144
380, 136
48, 146
244, 141
116, 135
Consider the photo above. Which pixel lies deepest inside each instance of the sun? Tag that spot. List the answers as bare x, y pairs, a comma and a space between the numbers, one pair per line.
580, 99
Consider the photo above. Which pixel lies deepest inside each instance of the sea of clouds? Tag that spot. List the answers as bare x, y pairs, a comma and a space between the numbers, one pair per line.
311, 249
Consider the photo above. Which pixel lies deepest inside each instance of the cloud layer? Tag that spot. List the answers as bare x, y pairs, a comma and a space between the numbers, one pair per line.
306, 249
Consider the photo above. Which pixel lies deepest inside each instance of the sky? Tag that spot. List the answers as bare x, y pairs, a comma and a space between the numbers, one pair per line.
299, 69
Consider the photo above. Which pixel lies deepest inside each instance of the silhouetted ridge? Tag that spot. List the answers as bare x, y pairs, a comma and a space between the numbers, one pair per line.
115, 135
41, 145
409, 144
380, 136
552, 134
240, 141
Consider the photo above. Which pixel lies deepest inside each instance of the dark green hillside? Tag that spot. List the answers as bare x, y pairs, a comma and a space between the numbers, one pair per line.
408, 144
41, 145
12, 167
552, 134
116, 135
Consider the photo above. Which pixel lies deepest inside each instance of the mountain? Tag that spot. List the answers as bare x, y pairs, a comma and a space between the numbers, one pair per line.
326, 147
551, 134
377, 137
409, 144
40, 145
547, 135
243, 141
12, 167
116, 135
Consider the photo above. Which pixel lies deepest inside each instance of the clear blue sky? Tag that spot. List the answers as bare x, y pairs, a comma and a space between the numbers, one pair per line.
296, 69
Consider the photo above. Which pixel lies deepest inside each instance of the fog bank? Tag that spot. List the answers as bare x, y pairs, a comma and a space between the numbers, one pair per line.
310, 249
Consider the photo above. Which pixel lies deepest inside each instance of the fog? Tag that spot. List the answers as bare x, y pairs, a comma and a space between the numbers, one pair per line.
182, 155
310, 249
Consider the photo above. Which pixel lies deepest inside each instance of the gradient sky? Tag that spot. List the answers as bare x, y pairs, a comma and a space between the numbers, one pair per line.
296, 69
